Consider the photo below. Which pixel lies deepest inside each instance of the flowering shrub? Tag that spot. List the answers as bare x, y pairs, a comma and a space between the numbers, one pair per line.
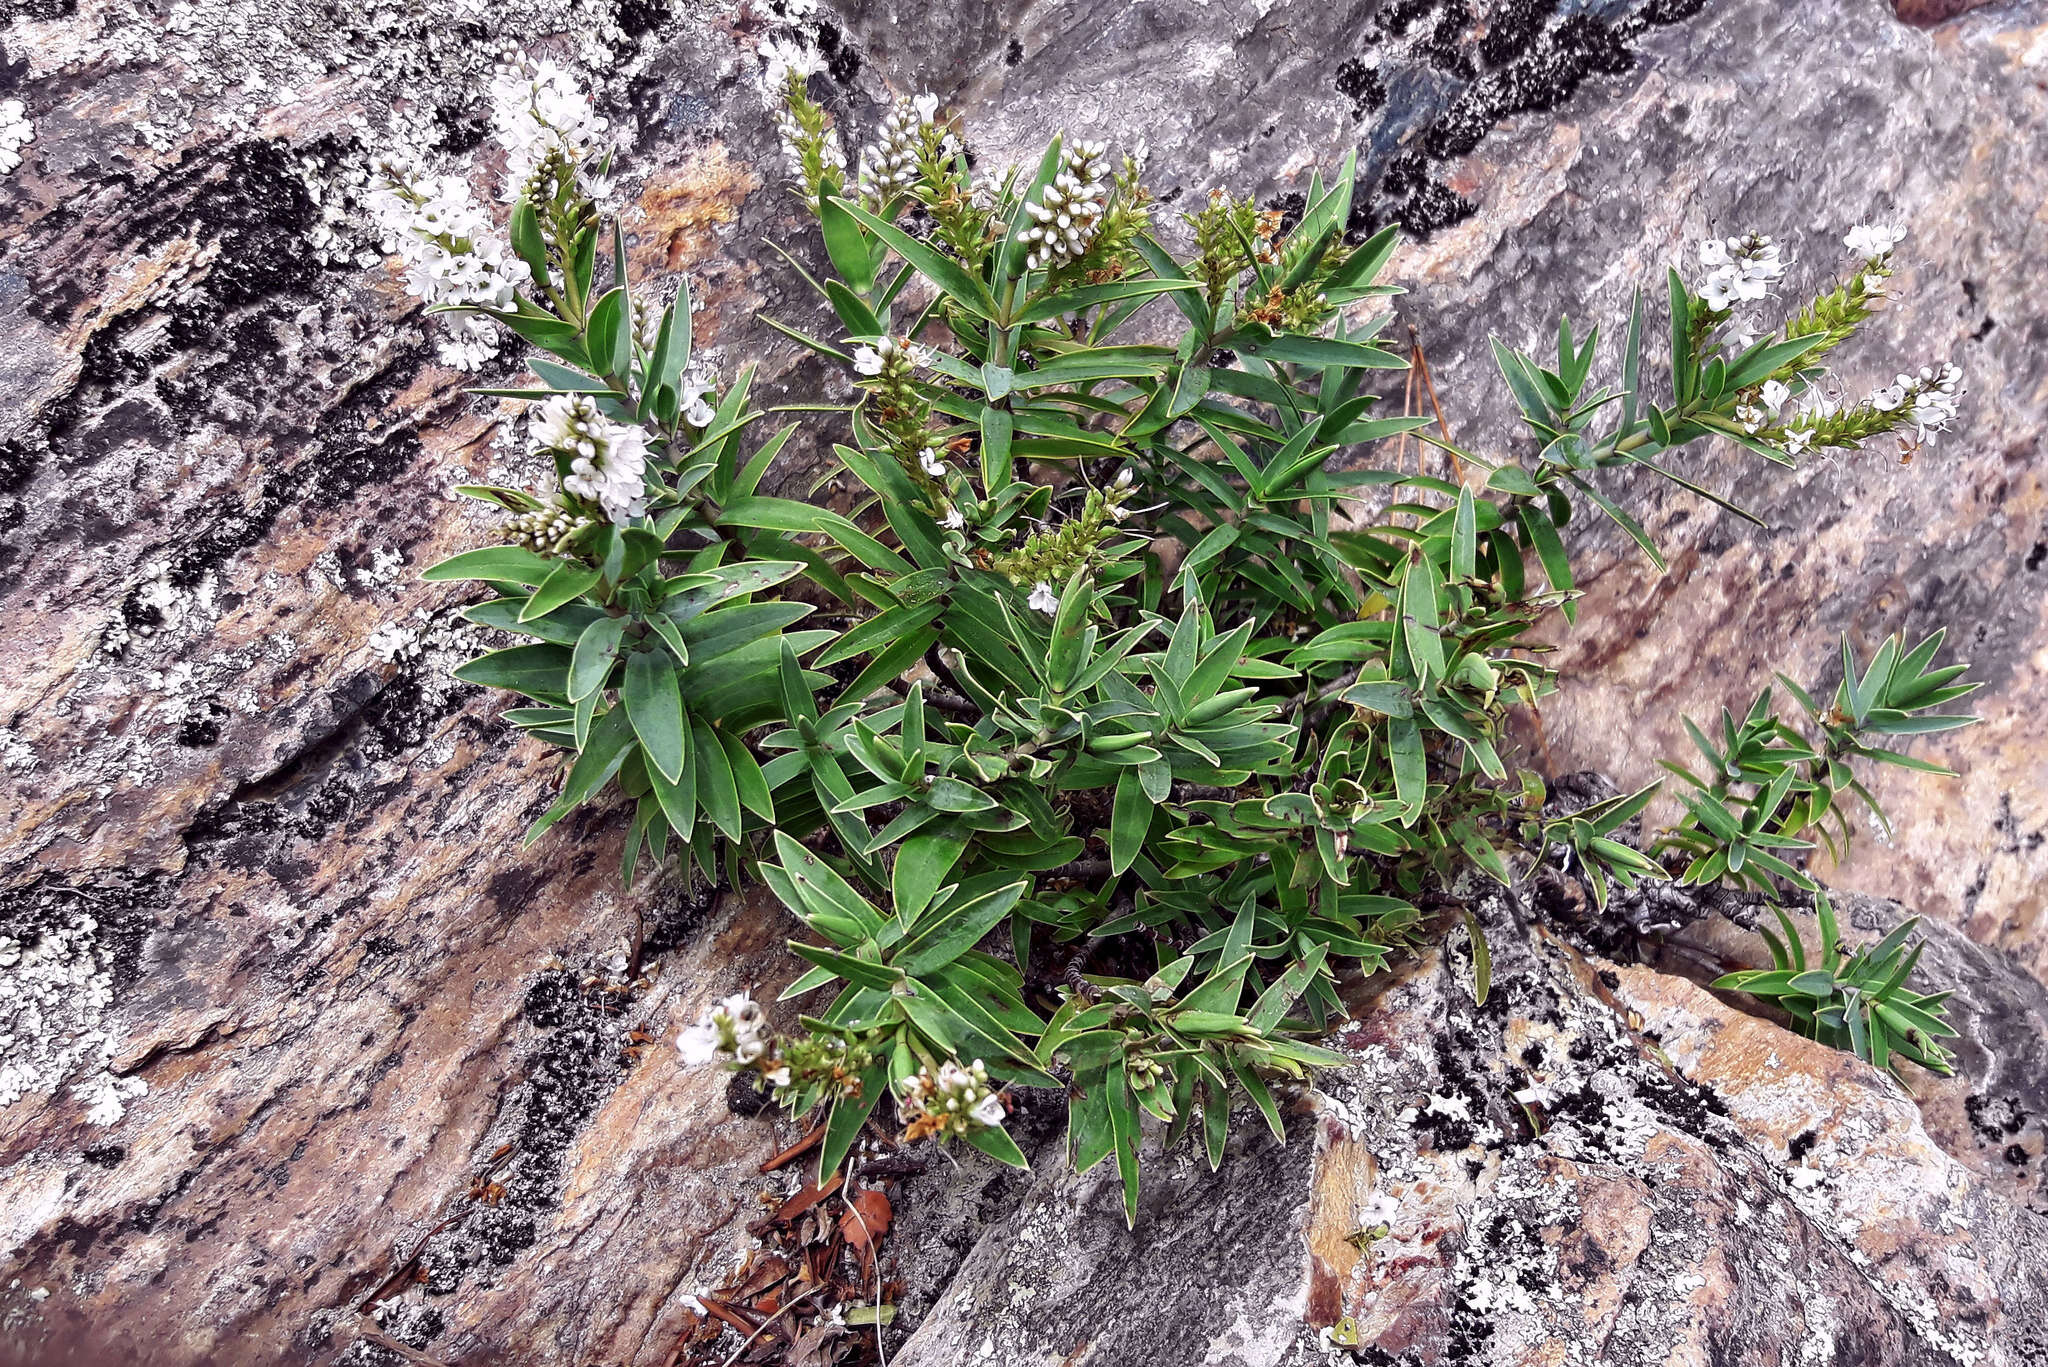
1147, 700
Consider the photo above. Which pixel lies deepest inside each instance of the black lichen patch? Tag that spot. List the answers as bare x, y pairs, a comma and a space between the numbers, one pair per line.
1513, 57
319, 788
681, 915
123, 909
571, 1067
1361, 85
106, 1155
842, 58
1995, 1119
1014, 53
201, 727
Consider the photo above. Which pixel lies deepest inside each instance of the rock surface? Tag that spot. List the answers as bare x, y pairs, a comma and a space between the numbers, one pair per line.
1600, 1164
262, 855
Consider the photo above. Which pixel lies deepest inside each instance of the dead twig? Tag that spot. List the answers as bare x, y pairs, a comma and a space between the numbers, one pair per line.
770, 1320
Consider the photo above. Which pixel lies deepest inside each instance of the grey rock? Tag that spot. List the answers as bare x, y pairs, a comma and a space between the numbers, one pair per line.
316, 941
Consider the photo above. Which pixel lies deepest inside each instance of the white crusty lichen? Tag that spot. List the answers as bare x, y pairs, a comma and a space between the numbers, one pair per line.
56, 983
16, 132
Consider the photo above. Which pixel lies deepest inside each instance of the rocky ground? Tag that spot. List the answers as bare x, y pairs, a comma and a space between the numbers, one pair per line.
302, 1058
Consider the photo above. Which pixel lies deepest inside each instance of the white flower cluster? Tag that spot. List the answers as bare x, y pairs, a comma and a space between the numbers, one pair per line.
957, 1092
830, 153
16, 132
735, 1027
1739, 269
538, 108
450, 253
1931, 399
1770, 402
1065, 219
607, 460
547, 530
889, 163
1872, 241
890, 353
783, 57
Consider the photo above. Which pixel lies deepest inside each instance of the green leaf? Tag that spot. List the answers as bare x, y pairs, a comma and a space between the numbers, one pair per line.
1482, 960
856, 970
922, 863
535, 670
746, 772
845, 245
955, 930
1421, 627
1123, 1122
654, 702
1411, 771
843, 1126
997, 428
1046, 306
505, 564
570, 580
997, 1144
527, 240
716, 788
595, 650
948, 274
1130, 819
610, 740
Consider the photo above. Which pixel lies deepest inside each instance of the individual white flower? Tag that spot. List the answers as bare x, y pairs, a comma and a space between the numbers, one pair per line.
989, 1110
1713, 253
735, 1026
1043, 599
1774, 394
1871, 240
698, 1043
926, 105
867, 360
697, 391
1797, 440
777, 1077
954, 520
1875, 285
1889, 398
929, 462
1750, 417
1718, 290
1124, 478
